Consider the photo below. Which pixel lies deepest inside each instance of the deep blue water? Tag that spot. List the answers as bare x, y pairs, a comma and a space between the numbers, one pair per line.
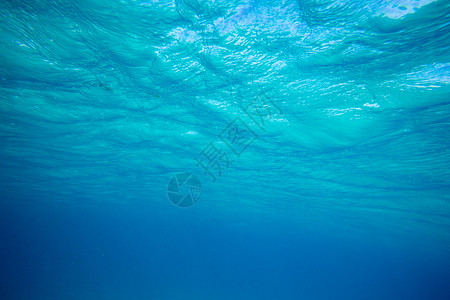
194, 149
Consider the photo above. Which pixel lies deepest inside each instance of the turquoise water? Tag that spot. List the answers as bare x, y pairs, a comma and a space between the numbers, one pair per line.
195, 149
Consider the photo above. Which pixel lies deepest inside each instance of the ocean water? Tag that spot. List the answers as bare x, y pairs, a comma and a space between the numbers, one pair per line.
212, 149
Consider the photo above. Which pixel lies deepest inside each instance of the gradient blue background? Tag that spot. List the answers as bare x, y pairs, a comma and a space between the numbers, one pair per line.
344, 195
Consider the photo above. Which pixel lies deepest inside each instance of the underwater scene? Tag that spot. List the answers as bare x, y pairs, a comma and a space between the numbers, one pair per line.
225, 150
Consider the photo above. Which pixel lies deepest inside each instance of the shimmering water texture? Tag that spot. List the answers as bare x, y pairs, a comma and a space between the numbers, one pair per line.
212, 149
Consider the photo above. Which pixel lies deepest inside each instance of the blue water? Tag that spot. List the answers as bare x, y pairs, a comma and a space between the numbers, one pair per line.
194, 149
